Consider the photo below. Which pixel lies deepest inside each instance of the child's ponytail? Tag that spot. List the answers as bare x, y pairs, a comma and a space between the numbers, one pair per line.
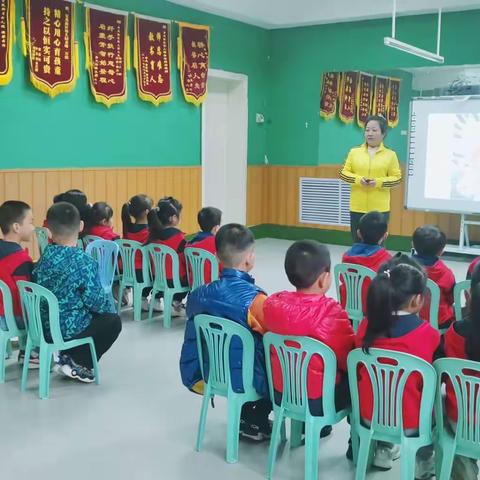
126, 218
472, 343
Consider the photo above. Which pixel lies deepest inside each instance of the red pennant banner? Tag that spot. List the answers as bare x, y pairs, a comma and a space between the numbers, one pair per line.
193, 61
106, 44
50, 30
348, 97
7, 37
329, 95
380, 96
152, 59
364, 97
393, 103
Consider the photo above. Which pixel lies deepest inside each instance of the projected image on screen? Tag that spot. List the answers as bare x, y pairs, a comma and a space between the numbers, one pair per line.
453, 157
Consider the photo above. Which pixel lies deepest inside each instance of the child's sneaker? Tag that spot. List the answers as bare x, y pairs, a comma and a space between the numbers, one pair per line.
145, 305
385, 456
70, 369
178, 309
256, 433
425, 469
34, 362
158, 305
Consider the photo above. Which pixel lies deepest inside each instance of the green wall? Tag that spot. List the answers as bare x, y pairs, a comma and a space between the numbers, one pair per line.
72, 130
299, 57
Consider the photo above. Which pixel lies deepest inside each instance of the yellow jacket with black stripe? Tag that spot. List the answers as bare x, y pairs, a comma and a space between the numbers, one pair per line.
383, 168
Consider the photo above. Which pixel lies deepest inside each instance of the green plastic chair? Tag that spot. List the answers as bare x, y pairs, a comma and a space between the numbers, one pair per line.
214, 336
434, 299
352, 276
128, 278
460, 288
466, 440
12, 329
89, 239
158, 255
388, 383
34, 296
197, 259
80, 243
42, 235
294, 355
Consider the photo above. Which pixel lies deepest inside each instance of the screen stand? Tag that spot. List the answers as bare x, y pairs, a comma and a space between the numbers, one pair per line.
464, 238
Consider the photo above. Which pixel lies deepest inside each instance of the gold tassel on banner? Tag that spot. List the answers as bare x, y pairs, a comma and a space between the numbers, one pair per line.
24, 37
87, 52
128, 60
77, 60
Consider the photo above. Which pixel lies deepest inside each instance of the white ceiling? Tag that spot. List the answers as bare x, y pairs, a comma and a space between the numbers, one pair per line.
292, 13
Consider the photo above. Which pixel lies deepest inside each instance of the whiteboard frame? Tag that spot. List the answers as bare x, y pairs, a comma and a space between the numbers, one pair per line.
446, 98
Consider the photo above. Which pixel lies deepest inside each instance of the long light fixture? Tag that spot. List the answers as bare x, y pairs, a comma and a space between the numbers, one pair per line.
411, 49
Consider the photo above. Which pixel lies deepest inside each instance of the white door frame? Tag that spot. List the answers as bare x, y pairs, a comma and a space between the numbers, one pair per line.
241, 89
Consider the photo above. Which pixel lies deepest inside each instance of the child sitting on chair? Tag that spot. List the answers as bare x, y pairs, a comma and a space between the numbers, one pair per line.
428, 243
308, 312
16, 223
235, 297
101, 222
72, 276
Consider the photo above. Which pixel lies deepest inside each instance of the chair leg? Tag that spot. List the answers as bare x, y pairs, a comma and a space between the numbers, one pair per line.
44, 374
203, 418
363, 457
96, 370
312, 441
121, 288
234, 409
408, 461
4, 341
296, 428
283, 432
137, 303
167, 308
26, 361
278, 429
448, 455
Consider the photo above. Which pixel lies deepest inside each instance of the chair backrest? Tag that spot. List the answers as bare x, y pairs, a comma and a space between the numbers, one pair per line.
433, 302
41, 233
460, 287
128, 252
37, 303
294, 355
353, 277
464, 376
6, 299
105, 252
80, 243
90, 238
159, 255
388, 372
197, 259
214, 337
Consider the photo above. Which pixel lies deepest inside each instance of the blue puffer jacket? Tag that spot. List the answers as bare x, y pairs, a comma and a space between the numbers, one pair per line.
229, 297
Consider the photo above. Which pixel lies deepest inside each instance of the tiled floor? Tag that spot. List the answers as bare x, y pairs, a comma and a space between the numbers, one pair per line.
140, 423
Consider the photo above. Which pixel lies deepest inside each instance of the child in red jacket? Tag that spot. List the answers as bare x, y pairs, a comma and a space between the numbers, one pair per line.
309, 312
369, 252
429, 242
209, 220
462, 340
394, 300
101, 221
163, 223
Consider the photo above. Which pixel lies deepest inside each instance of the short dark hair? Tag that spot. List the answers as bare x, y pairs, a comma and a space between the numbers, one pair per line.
63, 219
208, 218
373, 226
382, 122
232, 241
429, 240
12, 211
100, 211
305, 261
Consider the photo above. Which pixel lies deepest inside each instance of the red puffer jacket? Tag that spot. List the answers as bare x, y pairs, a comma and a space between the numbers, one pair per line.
315, 316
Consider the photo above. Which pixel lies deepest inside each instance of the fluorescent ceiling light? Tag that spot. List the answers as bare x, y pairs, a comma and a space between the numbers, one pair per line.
407, 48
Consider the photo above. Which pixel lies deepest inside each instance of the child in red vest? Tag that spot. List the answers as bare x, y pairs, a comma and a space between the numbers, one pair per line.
462, 340
369, 252
138, 208
309, 312
16, 223
471, 267
209, 220
163, 223
101, 221
394, 300
429, 242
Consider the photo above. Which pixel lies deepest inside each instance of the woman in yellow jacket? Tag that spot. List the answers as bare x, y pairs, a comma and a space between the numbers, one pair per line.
372, 169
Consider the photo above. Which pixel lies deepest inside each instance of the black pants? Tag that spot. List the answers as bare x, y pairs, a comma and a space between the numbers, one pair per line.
178, 297
104, 329
355, 221
256, 413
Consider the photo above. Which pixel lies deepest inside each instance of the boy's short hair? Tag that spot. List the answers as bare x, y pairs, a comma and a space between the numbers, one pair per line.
429, 240
209, 218
373, 226
305, 261
63, 219
12, 211
232, 241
